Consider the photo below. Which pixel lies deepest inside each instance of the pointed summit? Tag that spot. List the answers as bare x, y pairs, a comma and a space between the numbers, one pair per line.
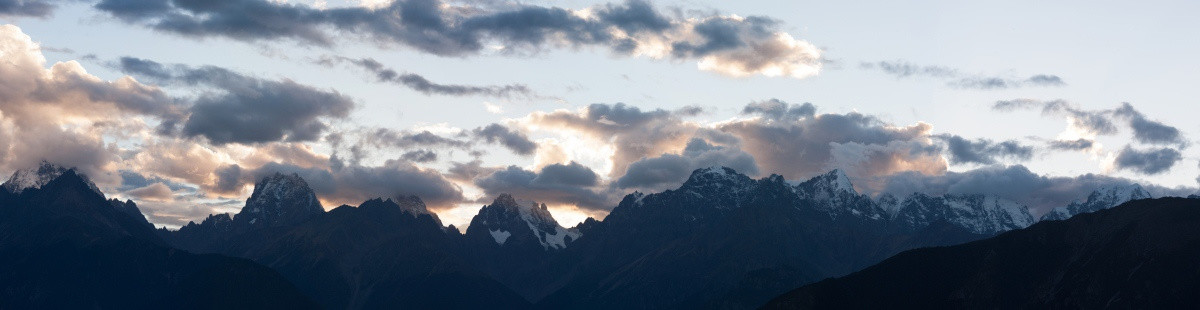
716, 178
508, 221
830, 183
36, 178
279, 200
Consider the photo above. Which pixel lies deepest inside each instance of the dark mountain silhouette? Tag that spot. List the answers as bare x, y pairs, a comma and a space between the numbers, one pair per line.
723, 240
64, 246
380, 254
513, 242
1142, 254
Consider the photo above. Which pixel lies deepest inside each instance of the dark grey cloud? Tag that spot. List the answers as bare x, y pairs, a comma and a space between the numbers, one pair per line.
777, 110
1094, 122
958, 79
244, 109
1148, 131
404, 139
569, 183
131, 180
35, 8
420, 156
745, 45
229, 179
669, 170
469, 171
511, 139
425, 86
1041, 193
983, 151
1101, 122
1149, 162
1071, 145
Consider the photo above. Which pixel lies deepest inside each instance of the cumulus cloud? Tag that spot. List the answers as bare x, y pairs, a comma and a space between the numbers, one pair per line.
1148, 131
425, 86
983, 151
670, 170
777, 110
958, 79
728, 44
1149, 162
513, 140
801, 148
633, 133
570, 183
245, 109
60, 113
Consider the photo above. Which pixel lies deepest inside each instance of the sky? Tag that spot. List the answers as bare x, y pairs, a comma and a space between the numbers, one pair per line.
181, 105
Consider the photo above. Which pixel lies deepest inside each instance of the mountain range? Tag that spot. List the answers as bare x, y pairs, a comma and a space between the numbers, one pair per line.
720, 240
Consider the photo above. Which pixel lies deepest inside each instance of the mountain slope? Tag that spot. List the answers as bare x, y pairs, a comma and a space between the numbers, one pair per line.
1099, 199
63, 245
1142, 254
377, 255
723, 240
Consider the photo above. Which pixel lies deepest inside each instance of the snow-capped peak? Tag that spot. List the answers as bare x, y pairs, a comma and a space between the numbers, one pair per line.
1100, 199
35, 178
280, 199
505, 216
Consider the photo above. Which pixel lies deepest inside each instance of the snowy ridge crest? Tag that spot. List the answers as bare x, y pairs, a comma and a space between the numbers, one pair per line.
36, 178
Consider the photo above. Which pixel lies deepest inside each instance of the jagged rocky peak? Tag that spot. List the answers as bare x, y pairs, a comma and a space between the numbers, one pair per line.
507, 217
1100, 199
980, 214
412, 203
278, 200
889, 203
716, 177
44, 173
829, 184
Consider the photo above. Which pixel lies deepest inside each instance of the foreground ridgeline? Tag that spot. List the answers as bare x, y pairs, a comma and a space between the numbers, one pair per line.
1141, 255
720, 240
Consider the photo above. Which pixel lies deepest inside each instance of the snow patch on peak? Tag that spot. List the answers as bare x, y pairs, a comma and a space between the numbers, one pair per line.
500, 236
36, 178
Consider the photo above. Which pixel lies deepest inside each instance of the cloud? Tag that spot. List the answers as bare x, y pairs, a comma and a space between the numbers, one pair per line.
670, 170
1041, 193
156, 192
35, 8
511, 139
355, 184
570, 183
420, 156
1149, 162
245, 109
801, 148
983, 151
1101, 122
777, 110
728, 44
1086, 122
423, 85
957, 79
1148, 131
634, 134
1072, 145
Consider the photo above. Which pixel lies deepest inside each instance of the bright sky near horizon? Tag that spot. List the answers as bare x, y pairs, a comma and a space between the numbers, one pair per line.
577, 103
